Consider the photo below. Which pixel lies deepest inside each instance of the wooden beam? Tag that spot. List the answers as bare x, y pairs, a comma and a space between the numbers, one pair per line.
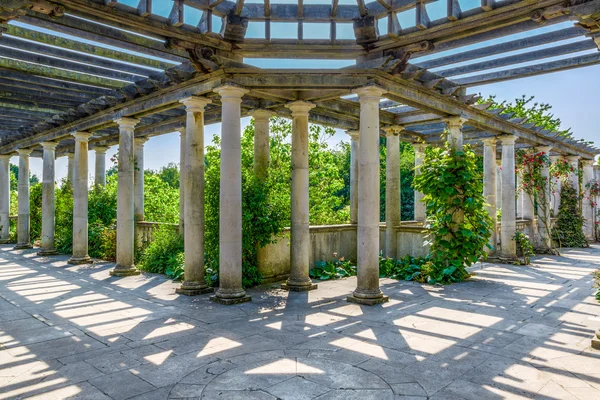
21, 78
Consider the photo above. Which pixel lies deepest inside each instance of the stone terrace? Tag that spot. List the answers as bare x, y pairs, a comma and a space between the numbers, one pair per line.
512, 332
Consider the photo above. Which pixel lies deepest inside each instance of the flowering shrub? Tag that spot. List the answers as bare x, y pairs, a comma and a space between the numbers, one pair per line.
524, 247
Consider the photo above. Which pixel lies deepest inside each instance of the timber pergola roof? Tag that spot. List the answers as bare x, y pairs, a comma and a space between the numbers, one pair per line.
76, 65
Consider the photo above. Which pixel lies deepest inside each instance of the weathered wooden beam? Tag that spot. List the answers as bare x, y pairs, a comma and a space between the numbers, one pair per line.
39, 91
24, 77
21, 96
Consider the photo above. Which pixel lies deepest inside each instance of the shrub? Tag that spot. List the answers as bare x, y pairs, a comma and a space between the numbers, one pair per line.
568, 228
336, 269
165, 253
35, 211
524, 246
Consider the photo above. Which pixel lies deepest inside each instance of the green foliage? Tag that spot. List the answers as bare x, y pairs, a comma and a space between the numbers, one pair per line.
568, 228
407, 193
170, 175
407, 268
161, 200
458, 226
35, 212
336, 269
524, 247
165, 253
14, 177
63, 223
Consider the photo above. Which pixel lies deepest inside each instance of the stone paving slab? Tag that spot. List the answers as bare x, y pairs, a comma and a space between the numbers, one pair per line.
511, 332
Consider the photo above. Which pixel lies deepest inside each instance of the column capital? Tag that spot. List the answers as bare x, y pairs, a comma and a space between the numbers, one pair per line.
419, 147
300, 108
369, 93
573, 158
24, 152
455, 121
49, 145
140, 141
82, 136
261, 114
354, 135
393, 130
5, 156
101, 149
544, 149
195, 104
507, 139
231, 93
70, 155
587, 163
491, 141
127, 122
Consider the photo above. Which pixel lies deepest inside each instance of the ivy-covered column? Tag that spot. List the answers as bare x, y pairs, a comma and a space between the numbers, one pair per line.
194, 283
182, 169
4, 198
507, 233
455, 135
48, 199
555, 190
23, 233
299, 279
499, 184
544, 203
419, 205
367, 291
230, 199
125, 219
587, 207
354, 153
100, 166
392, 188
138, 178
574, 176
489, 184
80, 200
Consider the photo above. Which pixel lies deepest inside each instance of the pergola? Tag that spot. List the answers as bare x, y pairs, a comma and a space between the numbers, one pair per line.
80, 74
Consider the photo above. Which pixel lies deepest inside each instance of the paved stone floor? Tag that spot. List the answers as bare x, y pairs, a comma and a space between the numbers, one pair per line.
511, 332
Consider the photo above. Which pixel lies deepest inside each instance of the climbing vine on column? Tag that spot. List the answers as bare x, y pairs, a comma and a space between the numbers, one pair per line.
452, 186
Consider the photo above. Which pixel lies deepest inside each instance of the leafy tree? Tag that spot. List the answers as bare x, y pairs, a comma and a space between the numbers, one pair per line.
170, 175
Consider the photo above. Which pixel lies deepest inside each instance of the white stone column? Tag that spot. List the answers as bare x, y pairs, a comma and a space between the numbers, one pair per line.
597, 208
48, 199
545, 205
125, 218
519, 199
261, 142
367, 291
555, 190
80, 200
499, 183
100, 167
354, 154
70, 167
300, 234
182, 169
4, 198
455, 135
23, 232
392, 189
508, 229
490, 186
194, 283
586, 204
230, 199
420, 209
138, 178
574, 177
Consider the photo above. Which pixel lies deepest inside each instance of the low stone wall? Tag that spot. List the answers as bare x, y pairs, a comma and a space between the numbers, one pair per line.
325, 240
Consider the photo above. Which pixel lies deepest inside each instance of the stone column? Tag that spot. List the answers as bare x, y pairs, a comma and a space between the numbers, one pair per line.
261, 142
182, 169
419, 205
48, 200
70, 167
574, 177
555, 190
499, 184
4, 198
587, 208
23, 233
367, 291
194, 283
300, 235
519, 199
80, 200
100, 170
545, 206
354, 153
138, 178
509, 247
230, 199
455, 135
490, 186
392, 189
597, 208
125, 218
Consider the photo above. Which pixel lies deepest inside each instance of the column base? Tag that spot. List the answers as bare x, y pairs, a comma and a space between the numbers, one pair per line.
80, 260
230, 301
501, 259
47, 252
23, 246
193, 290
121, 272
4, 241
367, 301
298, 288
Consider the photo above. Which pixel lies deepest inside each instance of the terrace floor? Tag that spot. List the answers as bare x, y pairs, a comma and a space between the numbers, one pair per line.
511, 332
